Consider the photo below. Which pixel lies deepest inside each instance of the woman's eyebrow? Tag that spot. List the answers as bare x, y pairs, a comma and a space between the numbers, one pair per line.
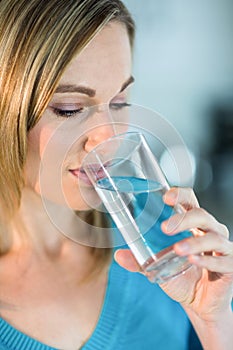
69, 88
75, 88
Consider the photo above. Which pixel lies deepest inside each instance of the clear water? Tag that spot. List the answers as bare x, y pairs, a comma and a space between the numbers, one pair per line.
137, 208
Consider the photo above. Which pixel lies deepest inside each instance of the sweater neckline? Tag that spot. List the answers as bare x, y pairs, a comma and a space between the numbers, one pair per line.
106, 331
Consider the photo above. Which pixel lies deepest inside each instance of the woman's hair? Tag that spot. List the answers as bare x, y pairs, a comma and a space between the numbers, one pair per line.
38, 39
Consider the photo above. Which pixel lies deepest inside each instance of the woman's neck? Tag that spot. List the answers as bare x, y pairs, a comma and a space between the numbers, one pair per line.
46, 227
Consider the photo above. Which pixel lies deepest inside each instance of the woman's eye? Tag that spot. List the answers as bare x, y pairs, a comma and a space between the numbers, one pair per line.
72, 110
68, 111
120, 105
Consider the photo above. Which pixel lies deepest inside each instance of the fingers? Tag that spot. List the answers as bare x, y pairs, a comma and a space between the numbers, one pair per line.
194, 218
210, 242
220, 264
183, 196
212, 251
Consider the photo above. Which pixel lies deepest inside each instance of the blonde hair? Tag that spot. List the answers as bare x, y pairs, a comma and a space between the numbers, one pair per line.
38, 39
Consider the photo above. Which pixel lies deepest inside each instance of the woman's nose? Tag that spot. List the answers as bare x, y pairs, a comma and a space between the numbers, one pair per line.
99, 134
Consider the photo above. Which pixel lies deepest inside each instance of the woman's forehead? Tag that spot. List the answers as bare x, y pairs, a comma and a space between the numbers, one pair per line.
106, 58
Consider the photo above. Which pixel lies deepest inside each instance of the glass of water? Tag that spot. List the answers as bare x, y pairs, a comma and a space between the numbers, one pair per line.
131, 184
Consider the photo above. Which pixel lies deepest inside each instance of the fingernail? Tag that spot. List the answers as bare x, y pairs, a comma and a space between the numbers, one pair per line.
173, 195
167, 227
195, 258
170, 226
170, 195
183, 247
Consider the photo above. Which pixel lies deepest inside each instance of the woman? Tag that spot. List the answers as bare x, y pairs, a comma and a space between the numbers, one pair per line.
57, 58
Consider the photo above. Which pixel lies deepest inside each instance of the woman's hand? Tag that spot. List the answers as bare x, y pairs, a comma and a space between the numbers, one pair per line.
206, 289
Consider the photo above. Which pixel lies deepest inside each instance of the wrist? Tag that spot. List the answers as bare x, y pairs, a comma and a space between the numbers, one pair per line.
214, 332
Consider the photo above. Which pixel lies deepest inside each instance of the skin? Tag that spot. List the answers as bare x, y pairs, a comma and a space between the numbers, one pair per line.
59, 142
40, 294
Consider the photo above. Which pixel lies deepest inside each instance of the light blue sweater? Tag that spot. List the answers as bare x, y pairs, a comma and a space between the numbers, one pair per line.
136, 315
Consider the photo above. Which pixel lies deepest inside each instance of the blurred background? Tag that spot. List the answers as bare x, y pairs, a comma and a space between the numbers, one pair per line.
183, 66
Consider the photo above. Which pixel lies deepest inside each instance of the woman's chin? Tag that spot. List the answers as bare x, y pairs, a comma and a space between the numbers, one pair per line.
87, 200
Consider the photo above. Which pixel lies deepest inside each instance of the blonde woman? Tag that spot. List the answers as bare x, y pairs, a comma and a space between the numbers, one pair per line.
57, 58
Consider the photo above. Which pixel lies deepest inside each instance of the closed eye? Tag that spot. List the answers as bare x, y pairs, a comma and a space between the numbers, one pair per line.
68, 110
67, 113
118, 106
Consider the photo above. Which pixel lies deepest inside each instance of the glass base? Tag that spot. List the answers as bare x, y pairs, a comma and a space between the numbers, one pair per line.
165, 265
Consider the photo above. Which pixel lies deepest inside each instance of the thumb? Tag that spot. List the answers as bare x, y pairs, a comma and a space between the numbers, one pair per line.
125, 258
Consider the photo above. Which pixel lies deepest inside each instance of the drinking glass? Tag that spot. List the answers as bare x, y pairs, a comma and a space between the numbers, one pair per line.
130, 183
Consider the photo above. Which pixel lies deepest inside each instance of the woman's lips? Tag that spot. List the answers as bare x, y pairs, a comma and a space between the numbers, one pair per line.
81, 175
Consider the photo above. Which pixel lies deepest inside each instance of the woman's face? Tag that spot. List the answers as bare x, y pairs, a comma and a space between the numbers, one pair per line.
79, 117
